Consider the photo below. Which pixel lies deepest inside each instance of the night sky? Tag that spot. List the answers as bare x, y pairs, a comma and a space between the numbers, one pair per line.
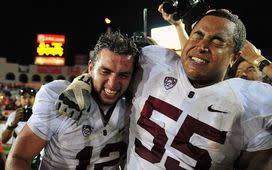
82, 22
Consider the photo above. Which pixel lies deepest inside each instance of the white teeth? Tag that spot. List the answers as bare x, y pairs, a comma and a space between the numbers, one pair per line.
198, 60
110, 92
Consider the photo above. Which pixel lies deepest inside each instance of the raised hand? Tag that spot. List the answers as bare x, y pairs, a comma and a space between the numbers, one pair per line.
168, 17
179, 26
250, 52
74, 101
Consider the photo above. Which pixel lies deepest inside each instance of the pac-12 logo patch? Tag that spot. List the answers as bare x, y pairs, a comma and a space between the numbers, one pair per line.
86, 130
169, 82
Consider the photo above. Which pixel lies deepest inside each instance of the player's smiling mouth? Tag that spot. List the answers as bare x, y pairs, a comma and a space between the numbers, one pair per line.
110, 92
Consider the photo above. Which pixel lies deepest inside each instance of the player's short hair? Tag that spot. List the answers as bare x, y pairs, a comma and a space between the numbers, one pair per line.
239, 35
117, 43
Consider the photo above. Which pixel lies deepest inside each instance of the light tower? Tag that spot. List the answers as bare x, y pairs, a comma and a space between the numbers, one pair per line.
108, 22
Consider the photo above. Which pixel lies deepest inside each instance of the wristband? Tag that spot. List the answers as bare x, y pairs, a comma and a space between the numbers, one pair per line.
261, 62
11, 127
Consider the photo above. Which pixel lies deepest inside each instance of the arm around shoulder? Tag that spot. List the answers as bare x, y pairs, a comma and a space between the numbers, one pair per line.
26, 146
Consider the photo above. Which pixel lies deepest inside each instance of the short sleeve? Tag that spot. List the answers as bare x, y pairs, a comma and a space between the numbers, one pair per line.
45, 119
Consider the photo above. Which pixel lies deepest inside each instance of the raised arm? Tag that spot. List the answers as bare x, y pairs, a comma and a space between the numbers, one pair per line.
26, 146
179, 25
11, 124
253, 56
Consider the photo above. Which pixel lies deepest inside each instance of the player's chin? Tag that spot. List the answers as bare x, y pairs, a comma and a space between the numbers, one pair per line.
195, 74
107, 101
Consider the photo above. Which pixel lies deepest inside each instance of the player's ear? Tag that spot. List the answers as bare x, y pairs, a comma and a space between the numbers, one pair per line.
90, 66
235, 58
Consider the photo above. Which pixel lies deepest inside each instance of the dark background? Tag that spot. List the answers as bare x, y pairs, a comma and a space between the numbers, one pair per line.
82, 22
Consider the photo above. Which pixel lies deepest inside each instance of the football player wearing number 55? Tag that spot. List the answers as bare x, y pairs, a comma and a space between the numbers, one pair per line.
100, 141
185, 116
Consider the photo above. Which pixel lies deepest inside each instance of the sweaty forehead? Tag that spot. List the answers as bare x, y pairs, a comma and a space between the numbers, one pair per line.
215, 25
114, 58
113, 61
106, 53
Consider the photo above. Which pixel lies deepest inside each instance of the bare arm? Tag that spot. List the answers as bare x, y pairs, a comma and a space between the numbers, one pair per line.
8, 132
26, 146
251, 53
179, 25
261, 160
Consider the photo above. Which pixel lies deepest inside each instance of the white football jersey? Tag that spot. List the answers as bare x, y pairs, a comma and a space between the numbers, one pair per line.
91, 145
176, 126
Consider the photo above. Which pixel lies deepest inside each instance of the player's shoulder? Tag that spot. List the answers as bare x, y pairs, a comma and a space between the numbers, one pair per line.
57, 84
157, 53
250, 89
52, 89
155, 49
238, 83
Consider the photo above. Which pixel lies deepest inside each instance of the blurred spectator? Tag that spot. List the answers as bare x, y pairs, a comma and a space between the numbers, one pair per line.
7, 104
18, 118
7, 100
245, 67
